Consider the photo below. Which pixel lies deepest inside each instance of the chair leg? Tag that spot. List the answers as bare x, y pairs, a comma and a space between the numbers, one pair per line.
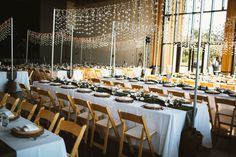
121, 145
92, 135
151, 148
130, 144
140, 151
105, 141
86, 132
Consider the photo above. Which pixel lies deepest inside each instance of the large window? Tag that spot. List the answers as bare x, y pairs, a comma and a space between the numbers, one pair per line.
181, 27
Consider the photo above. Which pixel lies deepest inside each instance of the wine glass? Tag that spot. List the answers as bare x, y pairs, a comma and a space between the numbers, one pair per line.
5, 120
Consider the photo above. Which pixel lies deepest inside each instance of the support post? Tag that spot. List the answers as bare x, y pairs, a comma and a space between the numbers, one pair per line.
81, 53
114, 49
144, 53
175, 36
62, 41
53, 35
71, 50
197, 66
112, 46
12, 54
27, 46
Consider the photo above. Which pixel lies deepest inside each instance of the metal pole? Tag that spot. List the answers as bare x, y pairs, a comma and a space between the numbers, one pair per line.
157, 50
27, 46
197, 67
114, 58
174, 40
53, 34
112, 45
62, 40
12, 54
144, 53
81, 53
71, 48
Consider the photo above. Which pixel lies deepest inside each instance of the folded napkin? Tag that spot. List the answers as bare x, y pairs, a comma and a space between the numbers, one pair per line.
9, 114
30, 127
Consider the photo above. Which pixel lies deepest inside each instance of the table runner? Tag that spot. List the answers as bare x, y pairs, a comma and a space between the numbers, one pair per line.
6, 151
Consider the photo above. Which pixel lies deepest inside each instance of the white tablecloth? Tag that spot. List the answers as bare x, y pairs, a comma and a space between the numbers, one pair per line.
62, 74
46, 145
168, 122
22, 77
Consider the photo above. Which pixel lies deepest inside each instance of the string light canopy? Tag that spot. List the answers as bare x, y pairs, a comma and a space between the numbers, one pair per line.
135, 18
5, 29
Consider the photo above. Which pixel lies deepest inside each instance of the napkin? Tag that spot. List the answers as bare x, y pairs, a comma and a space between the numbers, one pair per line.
9, 114
30, 127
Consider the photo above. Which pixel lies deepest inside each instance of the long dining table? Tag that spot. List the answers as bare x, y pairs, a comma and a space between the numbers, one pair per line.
168, 123
47, 144
211, 97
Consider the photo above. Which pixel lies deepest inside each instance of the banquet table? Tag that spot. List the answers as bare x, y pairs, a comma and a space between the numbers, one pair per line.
167, 123
165, 89
22, 77
48, 144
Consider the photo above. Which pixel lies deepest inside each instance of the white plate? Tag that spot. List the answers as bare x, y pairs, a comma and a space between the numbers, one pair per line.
102, 94
153, 106
68, 86
55, 84
84, 90
124, 99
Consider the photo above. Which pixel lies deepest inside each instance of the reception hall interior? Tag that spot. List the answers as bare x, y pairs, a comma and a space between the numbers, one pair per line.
105, 78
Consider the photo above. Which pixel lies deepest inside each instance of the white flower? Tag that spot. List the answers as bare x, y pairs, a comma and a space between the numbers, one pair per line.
141, 98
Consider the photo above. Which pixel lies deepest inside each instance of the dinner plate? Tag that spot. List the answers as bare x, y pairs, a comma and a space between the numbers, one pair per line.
55, 84
19, 132
168, 85
84, 90
212, 92
153, 106
188, 88
120, 78
68, 86
124, 99
232, 94
133, 80
102, 94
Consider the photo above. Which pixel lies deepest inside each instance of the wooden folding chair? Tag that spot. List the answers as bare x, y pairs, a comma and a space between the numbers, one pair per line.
119, 84
139, 132
106, 124
95, 80
225, 115
177, 93
25, 91
156, 90
34, 94
137, 87
47, 100
86, 115
26, 107
107, 83
3, 98
11, 103
47, 115
75, 130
